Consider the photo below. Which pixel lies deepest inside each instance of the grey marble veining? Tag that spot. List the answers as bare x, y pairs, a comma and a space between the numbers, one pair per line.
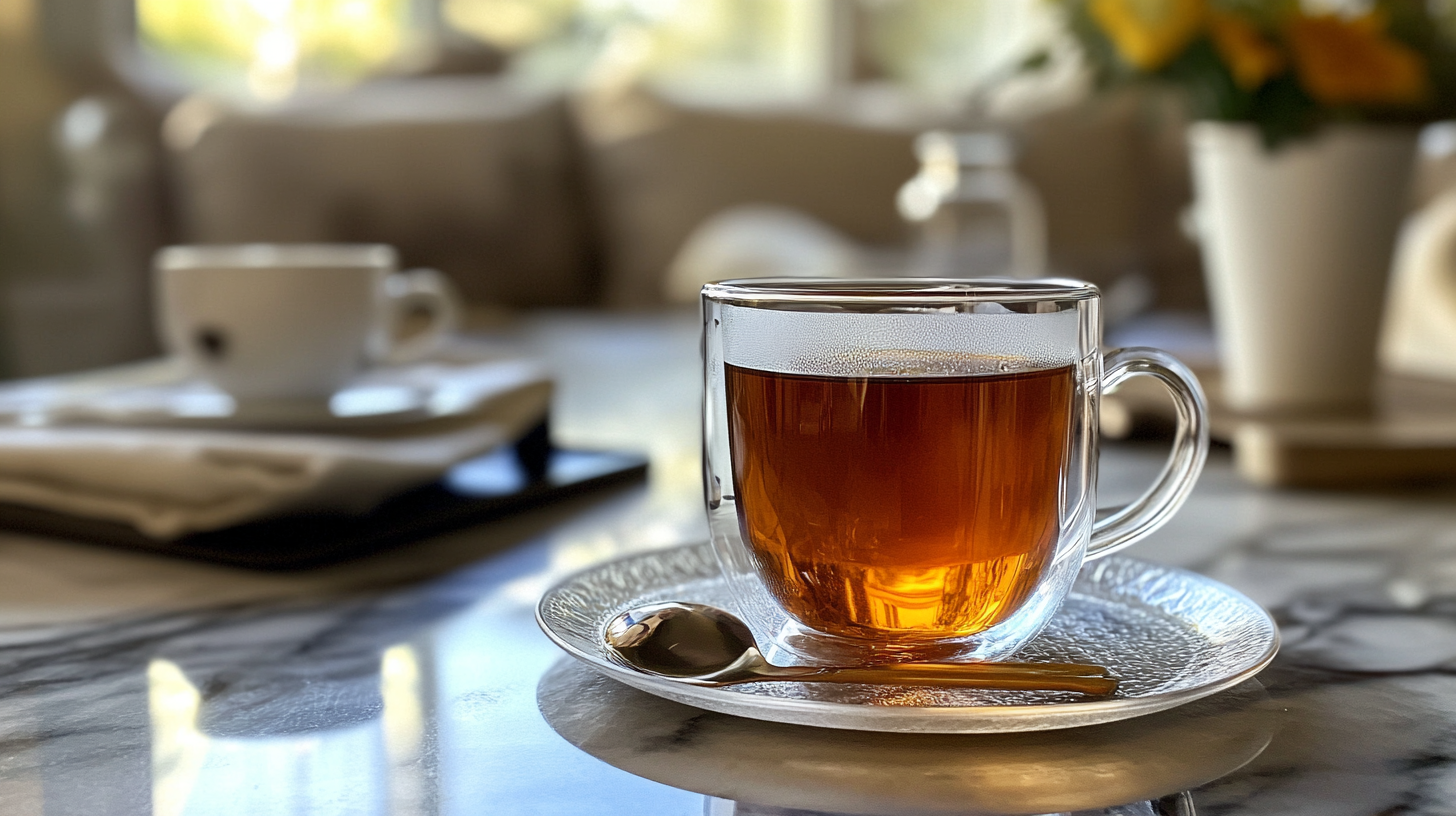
416, 682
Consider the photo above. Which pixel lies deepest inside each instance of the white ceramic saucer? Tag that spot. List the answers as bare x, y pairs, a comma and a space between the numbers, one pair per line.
1172, 636
163, 393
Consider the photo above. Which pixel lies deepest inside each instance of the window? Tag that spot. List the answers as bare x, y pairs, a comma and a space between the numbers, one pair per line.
737, 50
271, 48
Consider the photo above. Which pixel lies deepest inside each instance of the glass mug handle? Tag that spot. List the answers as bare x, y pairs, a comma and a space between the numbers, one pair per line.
1150, 511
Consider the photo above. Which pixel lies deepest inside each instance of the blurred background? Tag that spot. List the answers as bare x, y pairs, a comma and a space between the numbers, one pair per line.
581, 153
549, 152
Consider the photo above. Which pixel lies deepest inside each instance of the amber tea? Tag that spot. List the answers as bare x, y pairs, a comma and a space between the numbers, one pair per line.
908, 507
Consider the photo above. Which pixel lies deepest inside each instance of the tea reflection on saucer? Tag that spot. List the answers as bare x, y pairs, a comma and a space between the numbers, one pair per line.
801, 768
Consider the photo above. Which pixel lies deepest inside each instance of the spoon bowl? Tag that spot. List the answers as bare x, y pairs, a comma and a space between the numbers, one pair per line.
707, 646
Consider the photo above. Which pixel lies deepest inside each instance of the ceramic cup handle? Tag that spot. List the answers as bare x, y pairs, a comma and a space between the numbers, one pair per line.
420, 291
1127, 524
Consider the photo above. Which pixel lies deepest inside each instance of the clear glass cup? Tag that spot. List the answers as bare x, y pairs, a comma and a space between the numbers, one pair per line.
906, 469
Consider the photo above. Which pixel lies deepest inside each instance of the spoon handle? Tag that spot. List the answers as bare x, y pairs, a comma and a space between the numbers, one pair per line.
1090, 680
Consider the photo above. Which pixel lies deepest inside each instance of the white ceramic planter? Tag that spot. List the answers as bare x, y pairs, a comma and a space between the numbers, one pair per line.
1297, 246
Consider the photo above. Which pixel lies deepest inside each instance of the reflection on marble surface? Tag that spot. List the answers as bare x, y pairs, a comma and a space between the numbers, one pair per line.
408, 683
1176, 804
790, 766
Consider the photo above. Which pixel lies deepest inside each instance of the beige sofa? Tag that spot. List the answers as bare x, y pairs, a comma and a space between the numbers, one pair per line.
528, 199
471, 177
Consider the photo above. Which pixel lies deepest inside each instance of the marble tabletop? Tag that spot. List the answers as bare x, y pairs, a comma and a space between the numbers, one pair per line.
417, 682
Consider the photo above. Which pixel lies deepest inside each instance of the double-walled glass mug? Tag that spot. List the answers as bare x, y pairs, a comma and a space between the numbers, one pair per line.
906, 469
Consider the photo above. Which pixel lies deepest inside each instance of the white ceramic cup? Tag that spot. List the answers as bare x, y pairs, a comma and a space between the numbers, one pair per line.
268, 322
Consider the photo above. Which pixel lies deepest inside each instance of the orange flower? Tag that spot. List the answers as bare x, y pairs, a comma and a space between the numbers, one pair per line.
1149, 33
1252, 59
1350, 61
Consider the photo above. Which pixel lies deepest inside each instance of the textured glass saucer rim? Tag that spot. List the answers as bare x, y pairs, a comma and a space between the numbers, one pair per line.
572, 614
892, 292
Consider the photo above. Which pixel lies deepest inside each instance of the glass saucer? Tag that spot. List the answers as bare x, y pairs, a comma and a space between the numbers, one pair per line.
1172, 636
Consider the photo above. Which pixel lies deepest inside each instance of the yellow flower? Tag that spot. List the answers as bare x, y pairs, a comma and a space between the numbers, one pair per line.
1149, 33
1350, 61
1252, 59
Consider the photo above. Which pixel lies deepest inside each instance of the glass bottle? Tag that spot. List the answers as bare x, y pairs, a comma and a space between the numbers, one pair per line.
973, 215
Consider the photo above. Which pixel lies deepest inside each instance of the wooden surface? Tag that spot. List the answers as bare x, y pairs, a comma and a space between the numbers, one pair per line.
1409, 437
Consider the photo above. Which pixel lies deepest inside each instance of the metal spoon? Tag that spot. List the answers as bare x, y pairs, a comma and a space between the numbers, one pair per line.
706, 646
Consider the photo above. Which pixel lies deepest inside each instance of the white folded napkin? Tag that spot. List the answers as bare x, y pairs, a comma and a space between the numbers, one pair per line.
170, 481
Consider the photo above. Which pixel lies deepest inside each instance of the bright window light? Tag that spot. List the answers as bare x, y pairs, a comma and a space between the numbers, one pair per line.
271, 48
